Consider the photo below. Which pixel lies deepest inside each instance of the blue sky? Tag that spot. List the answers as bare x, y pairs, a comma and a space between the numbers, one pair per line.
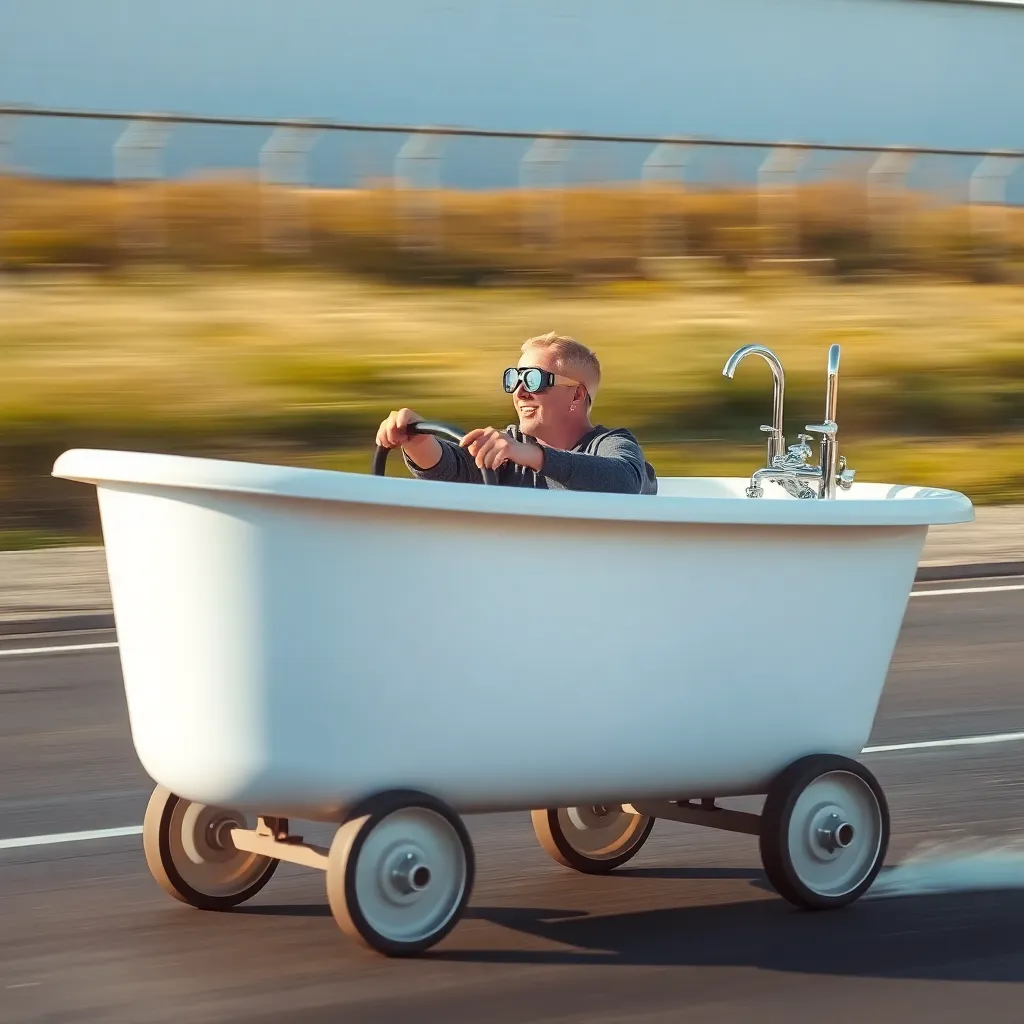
871, 71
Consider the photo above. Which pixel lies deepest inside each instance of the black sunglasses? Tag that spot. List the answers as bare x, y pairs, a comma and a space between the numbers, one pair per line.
534, 379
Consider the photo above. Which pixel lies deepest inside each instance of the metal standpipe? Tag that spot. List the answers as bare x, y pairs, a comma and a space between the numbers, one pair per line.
828, 429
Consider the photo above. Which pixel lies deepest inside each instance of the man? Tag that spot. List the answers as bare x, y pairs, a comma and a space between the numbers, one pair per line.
555, 445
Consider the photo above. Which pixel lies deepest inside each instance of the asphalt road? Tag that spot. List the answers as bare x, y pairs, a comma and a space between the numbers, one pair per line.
688, 931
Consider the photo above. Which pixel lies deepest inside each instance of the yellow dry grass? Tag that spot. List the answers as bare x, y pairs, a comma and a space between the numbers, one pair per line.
300, 367
240, 344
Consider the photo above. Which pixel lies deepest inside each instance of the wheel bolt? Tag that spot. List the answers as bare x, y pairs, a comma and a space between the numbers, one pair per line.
410, 875
219, 834
836, 835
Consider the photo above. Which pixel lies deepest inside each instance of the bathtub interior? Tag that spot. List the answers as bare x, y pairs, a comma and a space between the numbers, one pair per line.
735, 487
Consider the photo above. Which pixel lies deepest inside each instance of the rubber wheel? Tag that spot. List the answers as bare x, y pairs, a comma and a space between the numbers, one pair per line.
593, 840
824, 832
400, 872
190, 854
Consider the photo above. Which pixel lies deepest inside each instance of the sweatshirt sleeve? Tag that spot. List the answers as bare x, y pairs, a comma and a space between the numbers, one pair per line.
616, 465
456, 465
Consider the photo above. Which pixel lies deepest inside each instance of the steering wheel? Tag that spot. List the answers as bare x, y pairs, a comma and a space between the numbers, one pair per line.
380, 456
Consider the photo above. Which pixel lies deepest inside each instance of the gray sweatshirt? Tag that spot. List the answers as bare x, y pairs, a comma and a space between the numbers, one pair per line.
602, 460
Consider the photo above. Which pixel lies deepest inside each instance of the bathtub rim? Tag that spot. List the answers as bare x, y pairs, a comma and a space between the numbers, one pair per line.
904, 505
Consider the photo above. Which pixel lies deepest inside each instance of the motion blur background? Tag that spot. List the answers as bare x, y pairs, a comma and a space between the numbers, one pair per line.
249, 229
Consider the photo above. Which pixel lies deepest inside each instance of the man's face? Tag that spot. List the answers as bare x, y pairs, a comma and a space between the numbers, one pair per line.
549, 408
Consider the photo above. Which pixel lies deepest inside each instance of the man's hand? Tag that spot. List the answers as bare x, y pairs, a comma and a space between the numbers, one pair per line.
493, 448
422, 449
394, 430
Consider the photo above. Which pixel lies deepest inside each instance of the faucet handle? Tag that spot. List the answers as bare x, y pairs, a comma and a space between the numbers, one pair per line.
769, 429
829, 427
799, 453
844, 476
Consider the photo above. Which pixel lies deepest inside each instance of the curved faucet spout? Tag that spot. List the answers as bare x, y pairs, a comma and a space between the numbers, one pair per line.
751, 350
777, 442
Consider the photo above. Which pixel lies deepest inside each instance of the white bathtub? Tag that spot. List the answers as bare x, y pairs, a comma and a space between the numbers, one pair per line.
293, 640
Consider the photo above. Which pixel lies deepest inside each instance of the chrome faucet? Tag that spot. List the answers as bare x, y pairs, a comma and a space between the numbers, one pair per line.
791, 471
776, 439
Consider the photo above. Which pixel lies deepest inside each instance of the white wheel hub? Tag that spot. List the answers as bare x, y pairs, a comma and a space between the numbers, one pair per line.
404, 874
410, 875
831, 833
835, 833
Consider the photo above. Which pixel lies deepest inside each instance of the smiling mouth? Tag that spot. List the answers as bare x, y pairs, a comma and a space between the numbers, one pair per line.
527, 409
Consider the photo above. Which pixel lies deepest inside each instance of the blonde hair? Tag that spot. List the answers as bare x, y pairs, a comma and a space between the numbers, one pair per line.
571, 358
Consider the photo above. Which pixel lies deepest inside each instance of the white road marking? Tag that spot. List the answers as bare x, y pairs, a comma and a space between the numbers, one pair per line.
966, 590
958, 741
135, 830
27, 652
70, 837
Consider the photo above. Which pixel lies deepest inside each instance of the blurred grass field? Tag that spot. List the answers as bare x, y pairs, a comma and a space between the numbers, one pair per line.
300, 366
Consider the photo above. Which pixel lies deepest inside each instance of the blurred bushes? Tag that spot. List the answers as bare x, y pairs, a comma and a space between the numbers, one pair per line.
467, 237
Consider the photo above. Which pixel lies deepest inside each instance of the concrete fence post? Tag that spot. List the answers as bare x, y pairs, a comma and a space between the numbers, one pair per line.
283, 175
987, 195
7, 122
542, 170
665, 165
138, 154
418, 181
887, 195
776, 200
7, 125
